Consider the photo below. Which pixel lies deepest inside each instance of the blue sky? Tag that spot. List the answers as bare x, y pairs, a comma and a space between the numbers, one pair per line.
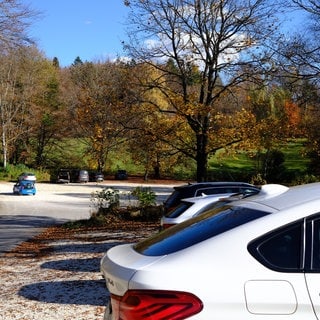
90, 29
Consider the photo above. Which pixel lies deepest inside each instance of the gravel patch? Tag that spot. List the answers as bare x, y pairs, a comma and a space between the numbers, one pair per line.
57, 277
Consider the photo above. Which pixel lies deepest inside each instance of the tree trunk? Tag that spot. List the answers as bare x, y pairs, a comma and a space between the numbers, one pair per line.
4, 148
202, 157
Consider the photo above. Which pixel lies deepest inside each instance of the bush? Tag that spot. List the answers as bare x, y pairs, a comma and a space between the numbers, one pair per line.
146, 196
258, 180
307, 178
105, 200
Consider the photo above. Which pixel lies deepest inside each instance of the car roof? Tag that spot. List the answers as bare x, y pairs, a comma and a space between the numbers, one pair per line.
215, 184
207, 198
267, 191
285, 197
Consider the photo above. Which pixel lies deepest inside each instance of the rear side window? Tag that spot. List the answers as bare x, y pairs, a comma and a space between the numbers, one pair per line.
281, 250
314, 229
196, 230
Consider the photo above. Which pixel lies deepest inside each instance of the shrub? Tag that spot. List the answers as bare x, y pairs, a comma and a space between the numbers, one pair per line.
258, 180
307, 178
146, 196
105, 200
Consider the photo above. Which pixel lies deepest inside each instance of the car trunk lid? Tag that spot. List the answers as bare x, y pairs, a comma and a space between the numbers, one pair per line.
119, 265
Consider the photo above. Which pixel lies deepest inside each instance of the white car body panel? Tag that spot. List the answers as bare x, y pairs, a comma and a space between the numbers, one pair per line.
115, 261
313, 282
227, 291
270, 297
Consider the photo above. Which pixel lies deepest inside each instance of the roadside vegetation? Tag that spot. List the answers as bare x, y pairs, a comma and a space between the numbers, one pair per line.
106, 209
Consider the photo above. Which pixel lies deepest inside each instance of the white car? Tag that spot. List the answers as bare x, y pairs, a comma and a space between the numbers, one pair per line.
190, 207
256, 258
29, 176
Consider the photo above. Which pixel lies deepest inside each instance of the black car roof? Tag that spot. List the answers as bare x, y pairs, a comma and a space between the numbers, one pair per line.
213, 184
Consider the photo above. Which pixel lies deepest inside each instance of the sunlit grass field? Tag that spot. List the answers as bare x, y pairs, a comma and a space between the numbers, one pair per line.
243, 166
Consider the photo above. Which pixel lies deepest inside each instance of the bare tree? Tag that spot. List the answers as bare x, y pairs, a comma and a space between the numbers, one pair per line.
311, 6
300, 53
203, 48
15, 19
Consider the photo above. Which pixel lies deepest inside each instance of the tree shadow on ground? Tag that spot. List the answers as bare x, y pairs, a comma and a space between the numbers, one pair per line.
78, 292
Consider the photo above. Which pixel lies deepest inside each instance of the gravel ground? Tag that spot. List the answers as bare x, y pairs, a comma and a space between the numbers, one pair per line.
57, 276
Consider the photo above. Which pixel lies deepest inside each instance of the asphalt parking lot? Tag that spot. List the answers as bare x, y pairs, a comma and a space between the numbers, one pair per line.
22, 217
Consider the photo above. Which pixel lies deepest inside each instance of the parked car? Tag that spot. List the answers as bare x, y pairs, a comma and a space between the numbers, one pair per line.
79, 175
255, 258
206, 188
24, 187
191, 207
27, 176
63, 176
96, 176
121, 175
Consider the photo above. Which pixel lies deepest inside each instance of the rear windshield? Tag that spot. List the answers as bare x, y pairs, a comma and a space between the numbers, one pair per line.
177, 211
175, 198
198, 229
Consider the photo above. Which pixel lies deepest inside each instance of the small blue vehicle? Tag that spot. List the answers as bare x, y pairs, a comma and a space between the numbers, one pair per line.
24, 187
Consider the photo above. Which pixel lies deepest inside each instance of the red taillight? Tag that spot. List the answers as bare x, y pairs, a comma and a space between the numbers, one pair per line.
155, 305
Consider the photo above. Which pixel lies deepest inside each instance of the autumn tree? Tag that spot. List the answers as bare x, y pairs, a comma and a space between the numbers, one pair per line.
29, 116
15, 18
49, 120
277, 118
299, 58
100, 107
203, 49
15, 87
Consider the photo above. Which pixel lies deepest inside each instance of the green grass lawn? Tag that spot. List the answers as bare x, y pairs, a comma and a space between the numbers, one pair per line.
241, 166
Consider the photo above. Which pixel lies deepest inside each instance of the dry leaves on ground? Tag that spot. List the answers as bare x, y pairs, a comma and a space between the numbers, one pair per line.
56, 275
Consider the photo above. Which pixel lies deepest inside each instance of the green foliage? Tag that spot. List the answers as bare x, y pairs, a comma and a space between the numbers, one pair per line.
105, 200
106, 204
258, 180
145, 195
273, 165
11, 173
246, 167
307, 178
